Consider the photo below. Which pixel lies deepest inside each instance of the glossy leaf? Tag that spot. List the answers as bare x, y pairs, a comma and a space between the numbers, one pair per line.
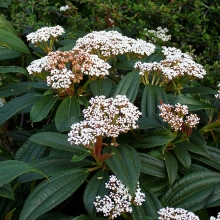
29, 152
152, 97
10, 169
13, 42
125, 164
67, 113
183, 156
192, 103
57, 141
49, 194
21, 87
128, 86
101, 87
16, 105
95, 187
152, 166
6, 191
157, 137
13, 69
42, 107
54, 216
192, 191
139, 213
171, 166
149, 122
214, 199
7, 53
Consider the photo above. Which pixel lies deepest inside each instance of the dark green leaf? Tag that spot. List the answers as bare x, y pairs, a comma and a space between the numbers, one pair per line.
77, 158
21, 87
13, 42
49, 194
16, 105
67, 113
101, 87
125, 164
6, 191
152, 97
95, 187
149, 122
192, 103
29, 152
127, 65
57, 141
157, 137
192, 191
183, 156
42, 107
10, 169
172, 166
152, 166
198, 90
129, 86
7, 53
12, 69
54, 216
214, 199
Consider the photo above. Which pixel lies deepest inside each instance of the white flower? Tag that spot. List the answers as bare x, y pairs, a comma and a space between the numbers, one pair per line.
176, 214
106, 117
175, 116
2, 102
158, 34
45, 33
60, 77
64, 8
119, 200
218, 95
213, 218
175, 64
113, 43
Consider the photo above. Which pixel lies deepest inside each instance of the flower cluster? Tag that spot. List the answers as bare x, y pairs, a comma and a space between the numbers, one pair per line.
113, 43
175, 116
213, 218
175, 64
119, 199
2, 102
176, 214
218, 95
45, 33
105, 117
160, 33
61, 77
64, 8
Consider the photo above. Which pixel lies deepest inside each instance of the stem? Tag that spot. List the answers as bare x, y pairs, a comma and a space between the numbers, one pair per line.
95, 168
209, 127
82, 89
126, 216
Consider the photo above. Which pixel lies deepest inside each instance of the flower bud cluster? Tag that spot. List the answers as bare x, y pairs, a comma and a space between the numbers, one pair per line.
217, 218
61, 77
119, 200
45, 33
176, 214
160, 33
106, 117
113, 43
218, 95
176, 64
174, 115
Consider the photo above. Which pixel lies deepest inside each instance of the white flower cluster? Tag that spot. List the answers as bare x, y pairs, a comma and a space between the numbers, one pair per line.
64, 8
106, 117
60, 77
176, 214
113, 43
45, 33
39, 65
119, 199
160, 33
174, 116
218, 95
175, 64
213, 218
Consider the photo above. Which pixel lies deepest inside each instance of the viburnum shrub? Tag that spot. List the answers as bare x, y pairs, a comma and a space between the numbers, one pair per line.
112, 128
